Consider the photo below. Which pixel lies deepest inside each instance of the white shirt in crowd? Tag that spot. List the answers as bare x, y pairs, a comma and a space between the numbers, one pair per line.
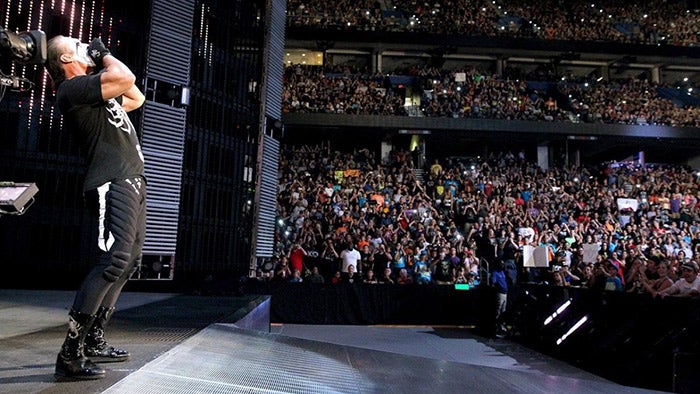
683, 288
349, 257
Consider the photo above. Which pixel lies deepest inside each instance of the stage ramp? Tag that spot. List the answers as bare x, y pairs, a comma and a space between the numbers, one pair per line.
226, 358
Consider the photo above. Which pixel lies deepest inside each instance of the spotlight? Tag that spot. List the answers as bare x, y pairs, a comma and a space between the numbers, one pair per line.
572, 329
16, 198
558, 312
266, 265
27, 47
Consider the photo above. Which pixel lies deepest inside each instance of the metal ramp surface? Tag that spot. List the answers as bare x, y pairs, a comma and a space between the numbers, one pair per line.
225, 359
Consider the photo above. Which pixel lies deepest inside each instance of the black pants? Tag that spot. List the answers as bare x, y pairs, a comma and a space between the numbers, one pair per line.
118, 212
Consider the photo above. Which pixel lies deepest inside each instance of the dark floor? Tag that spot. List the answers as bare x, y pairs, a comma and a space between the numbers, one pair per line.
188, 344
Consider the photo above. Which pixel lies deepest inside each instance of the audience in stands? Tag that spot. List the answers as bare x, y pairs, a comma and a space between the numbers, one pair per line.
675, 22
451, 223
307, 89
471, 93
688, 285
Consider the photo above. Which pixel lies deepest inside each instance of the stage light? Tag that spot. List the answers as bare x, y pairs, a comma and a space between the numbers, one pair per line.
267, 266
27, 47
16, 198
558, 312
572, 329
155, 267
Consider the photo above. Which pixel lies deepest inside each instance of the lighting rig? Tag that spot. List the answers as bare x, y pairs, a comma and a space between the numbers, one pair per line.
24, 48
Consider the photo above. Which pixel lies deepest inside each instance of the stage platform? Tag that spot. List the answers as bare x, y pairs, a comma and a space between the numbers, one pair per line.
218, 344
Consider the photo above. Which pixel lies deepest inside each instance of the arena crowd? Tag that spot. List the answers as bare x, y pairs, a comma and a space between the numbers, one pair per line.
674, 22
473, 93
349, 216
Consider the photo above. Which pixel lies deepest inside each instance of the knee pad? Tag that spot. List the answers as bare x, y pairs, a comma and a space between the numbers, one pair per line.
118, 263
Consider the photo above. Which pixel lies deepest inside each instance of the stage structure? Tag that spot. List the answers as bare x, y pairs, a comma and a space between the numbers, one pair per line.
202, 67
163, 124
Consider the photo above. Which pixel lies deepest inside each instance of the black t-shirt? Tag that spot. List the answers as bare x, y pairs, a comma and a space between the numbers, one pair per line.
443, 271
509, 251
107, 135
364, 260
381, 262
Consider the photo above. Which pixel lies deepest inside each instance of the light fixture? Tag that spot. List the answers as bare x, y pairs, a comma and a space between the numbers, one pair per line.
16, 198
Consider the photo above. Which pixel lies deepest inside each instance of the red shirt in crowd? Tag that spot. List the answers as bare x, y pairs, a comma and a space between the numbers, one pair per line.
296, 256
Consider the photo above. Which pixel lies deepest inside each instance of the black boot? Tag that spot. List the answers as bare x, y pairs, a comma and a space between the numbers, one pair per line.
96, 346
71, 362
